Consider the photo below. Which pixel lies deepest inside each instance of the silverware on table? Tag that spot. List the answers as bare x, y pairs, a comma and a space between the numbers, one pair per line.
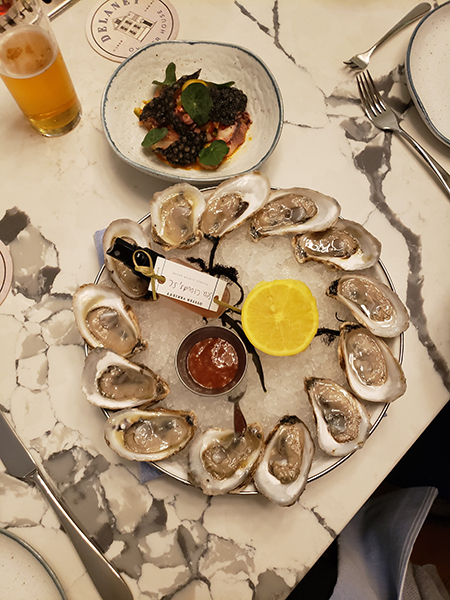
361, 61
383, 117
53, 8
240, 424
19, 463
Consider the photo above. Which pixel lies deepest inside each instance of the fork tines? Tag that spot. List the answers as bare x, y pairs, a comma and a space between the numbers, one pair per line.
369, 94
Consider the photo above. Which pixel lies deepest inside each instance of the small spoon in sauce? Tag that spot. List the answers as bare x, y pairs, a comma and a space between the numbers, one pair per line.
240, 424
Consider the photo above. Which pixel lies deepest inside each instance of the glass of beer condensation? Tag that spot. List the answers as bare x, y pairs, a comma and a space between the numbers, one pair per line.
33, 69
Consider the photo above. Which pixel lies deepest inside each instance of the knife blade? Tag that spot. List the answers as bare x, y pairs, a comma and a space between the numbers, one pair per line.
19, 463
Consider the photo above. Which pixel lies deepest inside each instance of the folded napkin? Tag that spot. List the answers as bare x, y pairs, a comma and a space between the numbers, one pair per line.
375, 547
147, 472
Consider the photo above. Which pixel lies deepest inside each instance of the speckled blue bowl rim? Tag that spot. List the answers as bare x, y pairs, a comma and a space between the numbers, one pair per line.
38, 557
423, 113
180, 178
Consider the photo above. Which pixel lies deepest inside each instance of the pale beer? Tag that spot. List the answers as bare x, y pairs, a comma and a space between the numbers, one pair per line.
37, 77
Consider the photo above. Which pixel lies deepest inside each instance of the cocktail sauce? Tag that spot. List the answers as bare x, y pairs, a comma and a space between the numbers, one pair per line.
212, 363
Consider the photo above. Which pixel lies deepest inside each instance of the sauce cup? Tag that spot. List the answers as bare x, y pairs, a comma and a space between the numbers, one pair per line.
202, 334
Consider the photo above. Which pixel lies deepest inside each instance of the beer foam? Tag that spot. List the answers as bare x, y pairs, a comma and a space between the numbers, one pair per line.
26, 51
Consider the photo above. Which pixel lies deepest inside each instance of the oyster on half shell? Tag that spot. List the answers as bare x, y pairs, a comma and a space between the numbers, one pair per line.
371, 369
112, 381
220, 461
346, 245
372, 303
149, 434
294, 210
233, 202
128, 282
104, 320
343, 423
283, 471
175, 214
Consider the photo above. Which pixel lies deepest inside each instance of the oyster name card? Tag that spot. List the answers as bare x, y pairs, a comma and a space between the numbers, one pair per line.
188, 285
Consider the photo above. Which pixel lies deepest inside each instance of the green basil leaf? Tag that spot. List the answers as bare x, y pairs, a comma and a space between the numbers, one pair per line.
153, 136
170, 75
197, 102
213, 154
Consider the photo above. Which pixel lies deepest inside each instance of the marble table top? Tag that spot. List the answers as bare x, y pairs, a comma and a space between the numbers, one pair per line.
166, 538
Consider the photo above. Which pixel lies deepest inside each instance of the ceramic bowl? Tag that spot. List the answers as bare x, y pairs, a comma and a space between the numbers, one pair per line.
131, 85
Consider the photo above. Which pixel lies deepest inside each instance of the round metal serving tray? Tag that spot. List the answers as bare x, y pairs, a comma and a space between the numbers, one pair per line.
376, 410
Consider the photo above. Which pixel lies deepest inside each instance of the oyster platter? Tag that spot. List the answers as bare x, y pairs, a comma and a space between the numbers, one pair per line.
298, 415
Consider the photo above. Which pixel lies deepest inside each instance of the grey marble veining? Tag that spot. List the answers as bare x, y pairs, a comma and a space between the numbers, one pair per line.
168, 539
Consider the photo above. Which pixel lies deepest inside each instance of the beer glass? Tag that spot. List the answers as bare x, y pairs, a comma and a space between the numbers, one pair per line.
33, 69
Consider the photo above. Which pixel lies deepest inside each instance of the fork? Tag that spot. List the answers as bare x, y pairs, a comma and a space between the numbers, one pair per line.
361, 61
383, 117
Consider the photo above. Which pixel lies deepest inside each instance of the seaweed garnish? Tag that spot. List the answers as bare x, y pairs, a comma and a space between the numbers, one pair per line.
215, 243
218, 270
236, 326
329, 335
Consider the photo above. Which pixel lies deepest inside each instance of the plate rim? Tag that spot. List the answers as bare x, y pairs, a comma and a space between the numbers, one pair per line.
182, 177
38, 557
409, 78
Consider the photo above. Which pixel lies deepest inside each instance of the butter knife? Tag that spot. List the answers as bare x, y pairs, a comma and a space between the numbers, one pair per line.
19, 463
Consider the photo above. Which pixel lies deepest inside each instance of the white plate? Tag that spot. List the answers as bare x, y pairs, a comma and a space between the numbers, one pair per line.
24, 574
428, 73
131, 85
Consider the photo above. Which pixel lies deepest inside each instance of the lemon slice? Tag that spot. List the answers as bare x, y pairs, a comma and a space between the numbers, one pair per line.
189, 81
280, 317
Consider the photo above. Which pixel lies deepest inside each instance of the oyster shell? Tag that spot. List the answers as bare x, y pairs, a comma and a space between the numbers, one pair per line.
149, 434
111, 381
343, 423
104, 320
220, 461
175, 214
371, 369
233, 202
372, 303
283, 471
294, 210
128, 282
346, 245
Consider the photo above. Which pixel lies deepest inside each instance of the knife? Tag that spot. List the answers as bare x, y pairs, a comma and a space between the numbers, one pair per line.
19, 463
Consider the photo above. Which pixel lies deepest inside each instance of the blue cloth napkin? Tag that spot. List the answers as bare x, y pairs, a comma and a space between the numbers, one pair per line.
147, 472
375, 547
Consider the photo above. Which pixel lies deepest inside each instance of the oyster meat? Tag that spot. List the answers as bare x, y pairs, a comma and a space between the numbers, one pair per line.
233, 202
220, 461
372, 303
371, 369
149, 434
343, 423
283, 471
346, 245
175, 214
104, 320
112, 381
294, 210
128, 282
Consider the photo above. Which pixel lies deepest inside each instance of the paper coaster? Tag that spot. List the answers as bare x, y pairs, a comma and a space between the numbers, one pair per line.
6, 271
117, 28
